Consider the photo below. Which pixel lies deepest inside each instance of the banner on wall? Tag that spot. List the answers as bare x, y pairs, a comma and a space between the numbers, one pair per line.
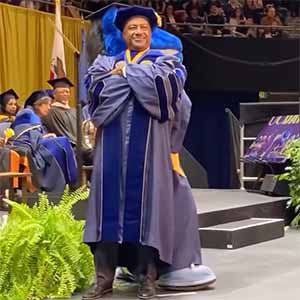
58, 64
271, 140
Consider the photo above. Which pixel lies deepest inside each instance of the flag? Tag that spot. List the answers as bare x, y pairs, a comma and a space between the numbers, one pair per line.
58, 65
83, 67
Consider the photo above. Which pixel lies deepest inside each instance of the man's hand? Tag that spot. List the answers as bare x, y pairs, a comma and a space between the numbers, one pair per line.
118, 70
120, 64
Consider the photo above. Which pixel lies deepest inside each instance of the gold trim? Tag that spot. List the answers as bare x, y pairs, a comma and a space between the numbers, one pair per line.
135, 58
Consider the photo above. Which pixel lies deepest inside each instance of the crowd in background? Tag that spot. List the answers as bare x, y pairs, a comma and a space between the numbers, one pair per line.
70, 8
197, 16
229, 17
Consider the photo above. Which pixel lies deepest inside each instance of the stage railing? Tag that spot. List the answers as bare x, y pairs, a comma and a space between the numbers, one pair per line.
207, 28
70, 4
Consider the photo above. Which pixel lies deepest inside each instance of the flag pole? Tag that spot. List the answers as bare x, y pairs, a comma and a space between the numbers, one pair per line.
65, 38
79, 120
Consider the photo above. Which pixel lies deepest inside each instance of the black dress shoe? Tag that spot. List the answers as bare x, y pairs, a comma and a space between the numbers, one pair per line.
98, 291
147, 289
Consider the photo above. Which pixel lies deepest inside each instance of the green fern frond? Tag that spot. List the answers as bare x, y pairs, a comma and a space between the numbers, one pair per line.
292, 175
22, 208
41, 250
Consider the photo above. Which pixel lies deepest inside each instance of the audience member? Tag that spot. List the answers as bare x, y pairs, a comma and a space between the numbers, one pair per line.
195, 21
237, 18
216, 17
281, 11
181, 19
8, 111
270, 19
177, 4
159, 6
251, 31
8, 105
170, 19
253, 9
230, 7
209, 3
194, 4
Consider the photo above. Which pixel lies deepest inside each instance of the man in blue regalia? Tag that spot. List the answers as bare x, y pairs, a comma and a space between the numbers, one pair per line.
137, 215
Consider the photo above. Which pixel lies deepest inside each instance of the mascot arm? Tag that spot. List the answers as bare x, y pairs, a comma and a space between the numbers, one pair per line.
158, 86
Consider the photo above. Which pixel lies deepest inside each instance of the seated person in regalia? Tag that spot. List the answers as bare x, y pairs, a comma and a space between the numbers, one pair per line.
52, 160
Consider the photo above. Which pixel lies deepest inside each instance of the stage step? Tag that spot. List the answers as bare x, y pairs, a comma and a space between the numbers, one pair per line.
242, 233
216, 207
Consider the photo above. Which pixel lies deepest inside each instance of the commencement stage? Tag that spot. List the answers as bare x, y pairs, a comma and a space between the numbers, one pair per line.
231, 219
216, 206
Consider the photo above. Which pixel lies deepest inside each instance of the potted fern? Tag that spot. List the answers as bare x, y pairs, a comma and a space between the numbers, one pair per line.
41, 250
292, 176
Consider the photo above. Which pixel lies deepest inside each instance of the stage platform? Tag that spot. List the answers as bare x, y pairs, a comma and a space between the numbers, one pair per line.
230, 219
217, 206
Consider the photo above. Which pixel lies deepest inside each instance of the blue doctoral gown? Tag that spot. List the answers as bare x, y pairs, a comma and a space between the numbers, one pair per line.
132, 190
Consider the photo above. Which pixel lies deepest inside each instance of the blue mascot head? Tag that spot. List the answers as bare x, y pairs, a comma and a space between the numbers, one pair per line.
107, 25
